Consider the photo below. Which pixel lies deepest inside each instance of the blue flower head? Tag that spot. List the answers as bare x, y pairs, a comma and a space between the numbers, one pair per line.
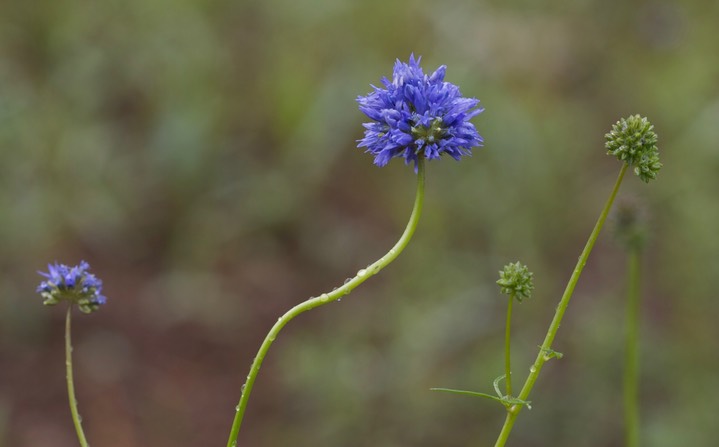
418, 115
73, 284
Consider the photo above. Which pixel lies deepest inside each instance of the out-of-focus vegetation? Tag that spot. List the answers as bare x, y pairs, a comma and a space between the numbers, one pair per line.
201, 156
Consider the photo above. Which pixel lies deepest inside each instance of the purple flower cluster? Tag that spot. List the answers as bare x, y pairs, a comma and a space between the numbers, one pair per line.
72, 284
418, 115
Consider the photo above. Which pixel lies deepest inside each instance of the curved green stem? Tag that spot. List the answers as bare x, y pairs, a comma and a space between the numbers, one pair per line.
631, 365
362, 276
507, 356
545, 349
76, 419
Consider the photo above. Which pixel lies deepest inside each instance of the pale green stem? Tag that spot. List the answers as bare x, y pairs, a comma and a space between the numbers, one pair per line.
631, 366
76, 419
362, 276
545, 349
507, 356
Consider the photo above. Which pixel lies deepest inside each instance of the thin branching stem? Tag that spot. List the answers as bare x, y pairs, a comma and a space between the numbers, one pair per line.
545, 349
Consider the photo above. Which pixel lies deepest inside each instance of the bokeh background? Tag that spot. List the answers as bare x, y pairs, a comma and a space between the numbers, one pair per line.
201, 156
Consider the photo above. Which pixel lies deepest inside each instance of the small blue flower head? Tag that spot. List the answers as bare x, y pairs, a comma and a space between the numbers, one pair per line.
73, 284
516, 280
418, 115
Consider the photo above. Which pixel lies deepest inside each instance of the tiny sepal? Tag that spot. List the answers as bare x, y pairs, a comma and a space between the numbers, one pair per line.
550, 353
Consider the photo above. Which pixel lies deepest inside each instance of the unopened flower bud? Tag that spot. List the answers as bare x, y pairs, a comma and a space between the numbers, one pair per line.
516, 279
632, 140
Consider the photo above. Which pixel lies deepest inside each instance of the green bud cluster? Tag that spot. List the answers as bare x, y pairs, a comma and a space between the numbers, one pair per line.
633, 141
516, 279
630, 224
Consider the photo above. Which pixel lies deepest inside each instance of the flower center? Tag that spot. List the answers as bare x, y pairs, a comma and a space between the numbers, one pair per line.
429, 134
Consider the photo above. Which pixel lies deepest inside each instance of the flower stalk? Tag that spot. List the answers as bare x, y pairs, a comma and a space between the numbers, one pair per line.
76, 419
631, 232
631, 360
361, 276
507, 347
74, 285
515, 281
545, 352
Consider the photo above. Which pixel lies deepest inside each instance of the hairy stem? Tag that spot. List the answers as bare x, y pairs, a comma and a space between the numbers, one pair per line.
545, 349
76, 419
362, 276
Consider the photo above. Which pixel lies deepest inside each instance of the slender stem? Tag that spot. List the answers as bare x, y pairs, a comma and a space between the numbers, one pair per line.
544, 351
76, 419
362, 276
507, 356
631, 365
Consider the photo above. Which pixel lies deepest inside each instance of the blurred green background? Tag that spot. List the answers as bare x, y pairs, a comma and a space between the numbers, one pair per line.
201, 156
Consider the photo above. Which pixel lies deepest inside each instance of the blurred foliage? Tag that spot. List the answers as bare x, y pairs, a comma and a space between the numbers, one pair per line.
200, 155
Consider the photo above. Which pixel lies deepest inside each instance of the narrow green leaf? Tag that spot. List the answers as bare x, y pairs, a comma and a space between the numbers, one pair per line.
504, 400
469, 393
496, 385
